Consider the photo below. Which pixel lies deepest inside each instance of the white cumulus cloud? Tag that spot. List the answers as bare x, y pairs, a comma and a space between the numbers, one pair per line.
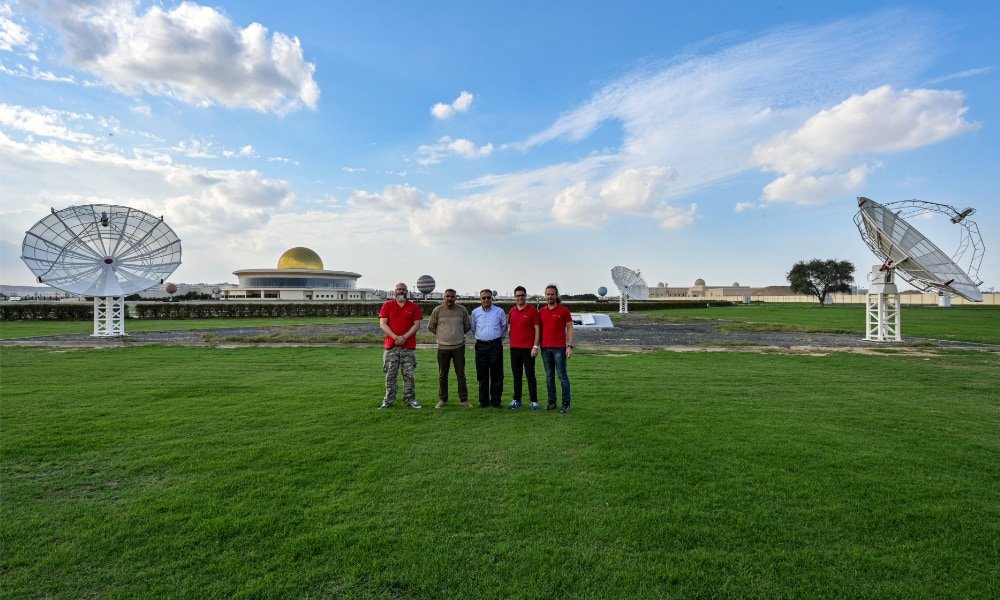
461, 104
821, 158
191, 52
434, 153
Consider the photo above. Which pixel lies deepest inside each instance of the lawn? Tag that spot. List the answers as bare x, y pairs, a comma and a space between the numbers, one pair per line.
267, 472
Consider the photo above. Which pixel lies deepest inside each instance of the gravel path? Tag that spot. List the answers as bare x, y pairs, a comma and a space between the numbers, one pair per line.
631, 332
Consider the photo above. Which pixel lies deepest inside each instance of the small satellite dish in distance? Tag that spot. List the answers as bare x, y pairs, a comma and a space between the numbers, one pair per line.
630, 285
105, 251
901, 247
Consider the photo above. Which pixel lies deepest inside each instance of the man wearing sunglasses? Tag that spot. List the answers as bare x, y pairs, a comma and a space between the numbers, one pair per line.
489, 325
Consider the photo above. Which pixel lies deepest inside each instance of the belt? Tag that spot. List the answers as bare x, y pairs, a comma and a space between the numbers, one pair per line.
487, 341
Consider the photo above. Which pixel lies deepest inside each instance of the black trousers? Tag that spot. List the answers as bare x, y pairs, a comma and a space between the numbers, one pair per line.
489, 372
522, 361
445, 360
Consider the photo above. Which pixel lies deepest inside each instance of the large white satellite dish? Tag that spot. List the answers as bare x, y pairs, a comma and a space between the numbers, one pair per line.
903, 249
630, 285
105, 251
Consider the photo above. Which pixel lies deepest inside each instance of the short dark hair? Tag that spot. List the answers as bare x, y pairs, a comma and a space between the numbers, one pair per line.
552, 286
451, 290
520, 288
487, 290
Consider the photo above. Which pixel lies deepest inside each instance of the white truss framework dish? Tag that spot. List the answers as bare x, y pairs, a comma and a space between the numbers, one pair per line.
630, 285
105, 251
885, 230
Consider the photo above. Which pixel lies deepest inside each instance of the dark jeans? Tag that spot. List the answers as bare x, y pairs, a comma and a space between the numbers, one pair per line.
489, 372
522, 360
554, 360
445, 359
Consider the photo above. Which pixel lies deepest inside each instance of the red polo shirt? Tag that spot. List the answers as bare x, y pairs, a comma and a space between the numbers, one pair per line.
554, 325
522, 326
401, 318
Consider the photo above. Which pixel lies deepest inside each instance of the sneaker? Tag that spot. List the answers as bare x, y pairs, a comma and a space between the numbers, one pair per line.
441, 404
413, 404
551, 406
565, 409
515, 404
534, 406
465, 403
385, 405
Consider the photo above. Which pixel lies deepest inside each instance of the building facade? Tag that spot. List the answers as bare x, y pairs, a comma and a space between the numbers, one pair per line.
299, 276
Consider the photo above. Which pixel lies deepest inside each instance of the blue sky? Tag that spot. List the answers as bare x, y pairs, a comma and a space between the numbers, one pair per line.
501, 144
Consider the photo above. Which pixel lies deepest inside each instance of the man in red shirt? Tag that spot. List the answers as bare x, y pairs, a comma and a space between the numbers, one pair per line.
400, 319
525, 329
557, 346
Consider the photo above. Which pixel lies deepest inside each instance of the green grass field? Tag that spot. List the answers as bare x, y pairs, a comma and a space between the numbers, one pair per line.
156, 471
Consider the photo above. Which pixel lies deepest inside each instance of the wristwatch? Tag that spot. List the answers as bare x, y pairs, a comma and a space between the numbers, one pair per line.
570, 346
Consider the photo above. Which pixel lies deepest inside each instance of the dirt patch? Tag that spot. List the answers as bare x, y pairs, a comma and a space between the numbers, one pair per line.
631, 333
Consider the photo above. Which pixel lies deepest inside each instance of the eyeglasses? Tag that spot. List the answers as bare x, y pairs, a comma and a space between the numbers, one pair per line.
519, 295
485, 297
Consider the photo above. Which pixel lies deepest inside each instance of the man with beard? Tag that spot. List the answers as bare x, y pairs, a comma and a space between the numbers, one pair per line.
557, 346
400, 319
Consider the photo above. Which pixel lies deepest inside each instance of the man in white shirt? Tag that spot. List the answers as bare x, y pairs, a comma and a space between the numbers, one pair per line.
489, 325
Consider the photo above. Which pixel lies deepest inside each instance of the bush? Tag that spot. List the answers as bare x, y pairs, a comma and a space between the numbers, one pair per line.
47, 311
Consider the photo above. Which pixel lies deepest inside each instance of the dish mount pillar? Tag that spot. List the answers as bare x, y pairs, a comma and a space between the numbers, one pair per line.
882, 314
109, 316
623, 304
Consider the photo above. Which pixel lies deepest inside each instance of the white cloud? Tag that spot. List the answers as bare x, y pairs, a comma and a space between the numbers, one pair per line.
575, 205
141, 109
960, 75
244, 152
393, 197
705, 113
45, 122
192, 53
12, 35
744, 206
435, 153
816, 158
631, 191
35, 73
469, 218
461, 104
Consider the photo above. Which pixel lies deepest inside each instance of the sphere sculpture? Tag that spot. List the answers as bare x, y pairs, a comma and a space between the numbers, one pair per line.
426, 284
170, 288
602, 291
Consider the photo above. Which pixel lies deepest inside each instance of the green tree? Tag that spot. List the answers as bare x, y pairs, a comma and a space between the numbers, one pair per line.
821, 277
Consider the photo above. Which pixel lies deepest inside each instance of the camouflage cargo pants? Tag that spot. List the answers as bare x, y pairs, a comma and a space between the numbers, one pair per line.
392, 360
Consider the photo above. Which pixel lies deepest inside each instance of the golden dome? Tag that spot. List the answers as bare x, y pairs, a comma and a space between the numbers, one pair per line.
300, 258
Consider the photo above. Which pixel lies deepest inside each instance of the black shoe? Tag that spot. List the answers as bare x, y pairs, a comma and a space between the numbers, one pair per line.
551, 406
565, 409
484, 406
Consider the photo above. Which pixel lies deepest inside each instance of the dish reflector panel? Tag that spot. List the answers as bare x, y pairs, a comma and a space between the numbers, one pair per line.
917, 259
101, 250
630, 283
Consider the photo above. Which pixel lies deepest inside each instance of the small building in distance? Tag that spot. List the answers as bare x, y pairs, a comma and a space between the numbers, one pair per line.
699, 290
298, 276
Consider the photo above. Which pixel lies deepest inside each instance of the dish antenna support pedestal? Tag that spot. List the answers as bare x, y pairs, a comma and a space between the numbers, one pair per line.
882, 313
109, 316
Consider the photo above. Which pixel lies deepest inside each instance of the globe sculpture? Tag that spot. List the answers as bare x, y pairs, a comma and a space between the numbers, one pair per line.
602, 291
426, 284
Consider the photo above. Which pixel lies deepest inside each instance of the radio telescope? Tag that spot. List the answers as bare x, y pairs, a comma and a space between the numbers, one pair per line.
105, 251
919, 261
630, 285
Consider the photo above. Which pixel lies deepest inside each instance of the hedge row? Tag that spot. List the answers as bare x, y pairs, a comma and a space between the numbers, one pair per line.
47, 311
80, 311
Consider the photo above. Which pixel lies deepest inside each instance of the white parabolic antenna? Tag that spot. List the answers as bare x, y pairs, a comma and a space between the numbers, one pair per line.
630, 285
105, 251
903, 249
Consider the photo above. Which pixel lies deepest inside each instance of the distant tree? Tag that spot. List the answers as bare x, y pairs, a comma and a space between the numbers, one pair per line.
821, 277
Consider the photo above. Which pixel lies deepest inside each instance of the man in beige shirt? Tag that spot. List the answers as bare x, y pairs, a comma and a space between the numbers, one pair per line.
449, 323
